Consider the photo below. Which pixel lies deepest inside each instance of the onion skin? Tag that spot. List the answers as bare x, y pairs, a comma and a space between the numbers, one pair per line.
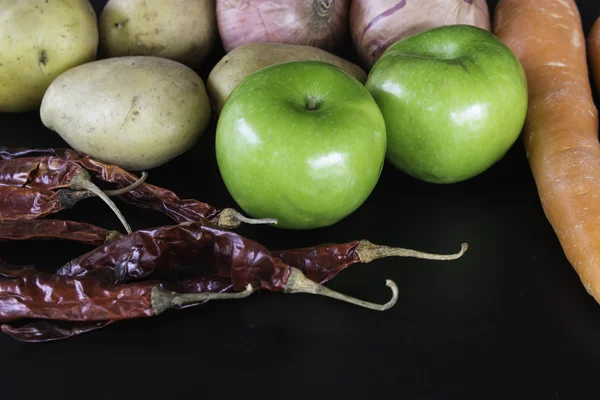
377, 24
318, 23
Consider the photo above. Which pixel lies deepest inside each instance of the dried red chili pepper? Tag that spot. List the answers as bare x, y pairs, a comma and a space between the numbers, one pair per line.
145, 195
320, 264
56, 229
27, 293
41, 330
45, 172
34, 187
237, 261
51, 173
144, 252
323, 262
17, 203
166, 201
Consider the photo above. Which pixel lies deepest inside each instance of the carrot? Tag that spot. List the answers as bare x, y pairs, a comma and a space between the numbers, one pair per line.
561, 129
594, 50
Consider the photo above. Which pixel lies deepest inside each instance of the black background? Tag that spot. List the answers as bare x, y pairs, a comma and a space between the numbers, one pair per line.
510, 318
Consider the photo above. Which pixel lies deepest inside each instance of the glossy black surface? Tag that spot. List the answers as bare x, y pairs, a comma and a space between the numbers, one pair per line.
510, 319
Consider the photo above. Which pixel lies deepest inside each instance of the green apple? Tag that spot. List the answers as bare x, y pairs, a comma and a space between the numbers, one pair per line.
302, 142
454, 100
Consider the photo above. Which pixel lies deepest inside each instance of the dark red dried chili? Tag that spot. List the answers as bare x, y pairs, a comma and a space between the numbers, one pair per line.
323, 262
45, 229
47, 172
144, 252
238, 262
163, 200
148, 251
145, 195
51, 173
27, 293
320, 264
41, 330
237, 259
18, 203
34, 187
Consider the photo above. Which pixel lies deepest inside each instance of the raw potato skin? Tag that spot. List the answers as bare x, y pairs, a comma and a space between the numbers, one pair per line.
134, 112
39, 40
180, 30
249, 58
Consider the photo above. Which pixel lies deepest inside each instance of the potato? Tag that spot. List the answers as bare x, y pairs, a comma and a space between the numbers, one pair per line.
249, 58
137, 112
39, 40
181, 30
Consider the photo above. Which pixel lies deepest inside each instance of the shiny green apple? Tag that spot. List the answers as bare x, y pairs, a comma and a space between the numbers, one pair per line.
454, 100
302, 142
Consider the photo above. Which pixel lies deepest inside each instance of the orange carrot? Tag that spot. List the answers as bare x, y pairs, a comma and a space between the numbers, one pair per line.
561, 129
594, 52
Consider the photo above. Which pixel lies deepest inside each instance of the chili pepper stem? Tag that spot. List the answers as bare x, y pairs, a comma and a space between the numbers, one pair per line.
127, 188
82, 182
298, 283
70, 197
163, 299
113, 235
368, 252
230, 219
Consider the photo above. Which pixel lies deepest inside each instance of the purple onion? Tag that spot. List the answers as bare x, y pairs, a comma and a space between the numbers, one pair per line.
318, 23
377, 24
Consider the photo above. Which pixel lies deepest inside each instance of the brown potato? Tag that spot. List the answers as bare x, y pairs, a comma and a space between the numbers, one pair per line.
180, 30
134, 112
249, 58
39, 40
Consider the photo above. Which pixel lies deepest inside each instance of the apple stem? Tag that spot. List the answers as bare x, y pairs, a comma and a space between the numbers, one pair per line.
312, 103
230, 219
299, 283
82, 182
368, 252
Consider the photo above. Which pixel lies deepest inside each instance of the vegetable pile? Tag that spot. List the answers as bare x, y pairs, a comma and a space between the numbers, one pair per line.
303, 131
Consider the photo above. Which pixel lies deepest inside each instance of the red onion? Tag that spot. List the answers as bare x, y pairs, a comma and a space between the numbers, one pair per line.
377, 24
318, 23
